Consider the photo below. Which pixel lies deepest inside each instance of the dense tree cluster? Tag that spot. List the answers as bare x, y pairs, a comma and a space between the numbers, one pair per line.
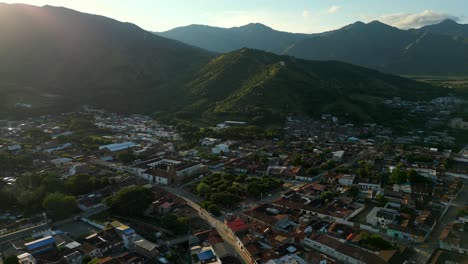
130, 201
226, 190
38, 192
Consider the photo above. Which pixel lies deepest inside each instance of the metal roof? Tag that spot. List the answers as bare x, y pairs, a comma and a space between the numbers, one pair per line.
118, 146
40, 243
205, 255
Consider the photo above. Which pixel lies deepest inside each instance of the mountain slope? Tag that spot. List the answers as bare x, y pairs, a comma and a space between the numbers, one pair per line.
66, 56
388, 49
447, 27
55, 58
272, 85
436, 49
254, 35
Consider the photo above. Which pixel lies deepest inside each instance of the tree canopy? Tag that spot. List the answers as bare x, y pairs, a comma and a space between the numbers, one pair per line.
130, 201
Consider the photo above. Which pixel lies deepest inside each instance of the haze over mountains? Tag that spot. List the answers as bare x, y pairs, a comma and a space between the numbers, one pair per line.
435, 49
55, 58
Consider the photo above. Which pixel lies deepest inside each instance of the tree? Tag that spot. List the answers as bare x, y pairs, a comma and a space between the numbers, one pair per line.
375, 242
8, 199
31, 200
214, 210
354, 191
52, 183
130, 201
398, 175
81, 124
126, 157
176, 223
203, 189
298, 160
59, 205
11, 260
225, 199
381, 199
80, 184
326, 195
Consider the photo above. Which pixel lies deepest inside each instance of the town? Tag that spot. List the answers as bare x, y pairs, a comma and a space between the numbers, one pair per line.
100, 187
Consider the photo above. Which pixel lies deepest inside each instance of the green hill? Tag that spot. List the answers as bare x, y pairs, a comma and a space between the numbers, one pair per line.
66, 57
257, 84
56, 59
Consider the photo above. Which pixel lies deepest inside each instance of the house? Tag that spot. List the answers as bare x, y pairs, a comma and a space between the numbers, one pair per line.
338, 155
237, 225
288, 259
208, 142
204, 255
346, 180
455, 238
341, 251
164, 170
269, 215
26, 258
403, 187
41, 245
368, 185
382, 217
146, 248
440, 256
58, 148
406, 232
126, 233
116, 147
74, 258
14, 147
61, 161
220, 148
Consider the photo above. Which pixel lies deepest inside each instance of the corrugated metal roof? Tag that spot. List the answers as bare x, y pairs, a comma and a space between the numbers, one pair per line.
209, 254
118, 146
39, 243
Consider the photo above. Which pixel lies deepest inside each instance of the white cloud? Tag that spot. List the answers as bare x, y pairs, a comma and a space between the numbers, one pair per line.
333, 9
305, 13
416, 20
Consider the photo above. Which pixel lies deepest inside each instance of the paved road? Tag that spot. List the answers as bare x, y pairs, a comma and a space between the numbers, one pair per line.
216, 223
424, 251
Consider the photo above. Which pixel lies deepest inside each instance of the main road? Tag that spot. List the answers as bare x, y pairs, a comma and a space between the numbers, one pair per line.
216, 223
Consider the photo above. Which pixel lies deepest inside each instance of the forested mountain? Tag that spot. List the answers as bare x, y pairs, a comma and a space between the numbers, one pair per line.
56, 58
435, 49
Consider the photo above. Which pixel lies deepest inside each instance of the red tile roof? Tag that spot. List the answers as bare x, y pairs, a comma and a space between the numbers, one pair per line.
237, 225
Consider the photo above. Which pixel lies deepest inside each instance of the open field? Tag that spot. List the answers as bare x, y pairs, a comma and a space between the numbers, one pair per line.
452, 81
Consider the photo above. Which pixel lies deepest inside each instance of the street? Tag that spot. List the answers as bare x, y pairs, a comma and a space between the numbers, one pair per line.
424, 251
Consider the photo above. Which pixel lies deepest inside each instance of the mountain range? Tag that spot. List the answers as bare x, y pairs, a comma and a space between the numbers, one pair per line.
431, 50
56, 58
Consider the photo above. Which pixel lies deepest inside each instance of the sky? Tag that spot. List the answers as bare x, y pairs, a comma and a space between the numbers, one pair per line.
304, 16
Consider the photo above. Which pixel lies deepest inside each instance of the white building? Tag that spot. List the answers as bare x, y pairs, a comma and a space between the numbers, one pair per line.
346, 180
220, 148
338, 155
14, 147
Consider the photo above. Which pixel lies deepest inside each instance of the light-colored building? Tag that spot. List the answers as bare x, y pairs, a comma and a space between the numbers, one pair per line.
346, 180
220, 148
458, 123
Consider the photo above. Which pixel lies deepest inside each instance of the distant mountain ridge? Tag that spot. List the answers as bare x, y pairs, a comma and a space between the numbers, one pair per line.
436, 49
253, 35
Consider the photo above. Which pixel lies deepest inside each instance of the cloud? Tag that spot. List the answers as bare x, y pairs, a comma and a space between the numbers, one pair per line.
333, 9
416, 20
305, 13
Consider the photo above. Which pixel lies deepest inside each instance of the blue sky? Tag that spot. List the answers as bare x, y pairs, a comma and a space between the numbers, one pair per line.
306, 16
